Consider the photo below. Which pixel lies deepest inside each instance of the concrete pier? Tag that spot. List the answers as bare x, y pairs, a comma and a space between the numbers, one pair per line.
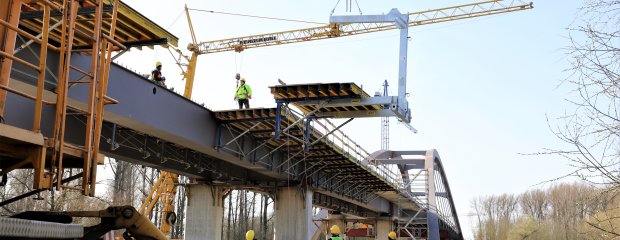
383, 227
293, 213
205, 210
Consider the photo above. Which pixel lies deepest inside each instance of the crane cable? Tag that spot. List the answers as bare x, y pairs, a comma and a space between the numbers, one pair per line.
254, 16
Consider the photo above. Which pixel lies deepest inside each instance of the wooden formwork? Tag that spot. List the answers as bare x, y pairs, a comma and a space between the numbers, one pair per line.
300, 94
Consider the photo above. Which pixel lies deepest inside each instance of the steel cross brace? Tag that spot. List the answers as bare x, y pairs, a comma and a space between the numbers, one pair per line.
327, 182
241, 135
292, 166
285, 161
314, 165
342, 181
353, 188
363, 190
272, 151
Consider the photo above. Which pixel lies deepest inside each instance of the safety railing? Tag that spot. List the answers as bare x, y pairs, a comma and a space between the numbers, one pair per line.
343, 144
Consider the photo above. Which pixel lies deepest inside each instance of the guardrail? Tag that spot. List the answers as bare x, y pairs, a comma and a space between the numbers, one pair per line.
343, 144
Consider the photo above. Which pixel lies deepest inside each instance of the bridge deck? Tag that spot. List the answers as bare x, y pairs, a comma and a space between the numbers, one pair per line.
324, 154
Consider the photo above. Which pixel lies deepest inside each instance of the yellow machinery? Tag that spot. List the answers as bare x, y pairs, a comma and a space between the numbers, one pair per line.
137, 226
164, 189
165, 186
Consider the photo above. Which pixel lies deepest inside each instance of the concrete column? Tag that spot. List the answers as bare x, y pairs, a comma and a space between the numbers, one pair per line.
293, 214
205, 210
337, 219
382, 229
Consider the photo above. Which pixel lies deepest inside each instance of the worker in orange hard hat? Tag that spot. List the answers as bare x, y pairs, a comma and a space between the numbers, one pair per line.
156, 75
250, 235
392, 236
335, 231
243, 93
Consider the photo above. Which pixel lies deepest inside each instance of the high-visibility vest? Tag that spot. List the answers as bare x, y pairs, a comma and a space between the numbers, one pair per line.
243, 92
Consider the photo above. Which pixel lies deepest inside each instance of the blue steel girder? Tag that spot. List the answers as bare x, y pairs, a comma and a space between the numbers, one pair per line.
156, 127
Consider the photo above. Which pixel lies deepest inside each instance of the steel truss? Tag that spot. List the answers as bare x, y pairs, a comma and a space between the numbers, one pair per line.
425, 184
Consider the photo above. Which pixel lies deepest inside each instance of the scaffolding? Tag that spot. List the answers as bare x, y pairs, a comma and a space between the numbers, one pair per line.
60, 28
317, 142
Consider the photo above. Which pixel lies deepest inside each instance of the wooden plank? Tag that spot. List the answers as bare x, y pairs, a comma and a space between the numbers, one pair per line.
21, 135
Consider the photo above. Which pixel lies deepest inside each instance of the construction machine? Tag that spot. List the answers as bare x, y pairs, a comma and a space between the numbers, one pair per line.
57, 225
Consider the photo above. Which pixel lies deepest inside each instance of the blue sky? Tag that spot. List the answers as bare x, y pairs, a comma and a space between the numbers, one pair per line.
481, 89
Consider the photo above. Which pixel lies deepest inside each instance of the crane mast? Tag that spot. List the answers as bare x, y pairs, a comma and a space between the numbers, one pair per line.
385, 124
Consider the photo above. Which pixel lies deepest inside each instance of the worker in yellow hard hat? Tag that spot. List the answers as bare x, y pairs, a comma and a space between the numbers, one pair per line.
243, 94
250, 235
392, 236
156, 76
335, 231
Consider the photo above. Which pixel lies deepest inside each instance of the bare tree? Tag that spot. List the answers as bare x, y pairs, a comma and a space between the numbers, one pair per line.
592, 130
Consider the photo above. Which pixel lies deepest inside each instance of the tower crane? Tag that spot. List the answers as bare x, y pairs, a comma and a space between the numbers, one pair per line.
165, 186
334, 30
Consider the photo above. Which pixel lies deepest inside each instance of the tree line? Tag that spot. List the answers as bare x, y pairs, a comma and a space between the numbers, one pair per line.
563, 211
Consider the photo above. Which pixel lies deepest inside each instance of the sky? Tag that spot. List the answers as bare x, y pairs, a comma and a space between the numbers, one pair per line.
481, 90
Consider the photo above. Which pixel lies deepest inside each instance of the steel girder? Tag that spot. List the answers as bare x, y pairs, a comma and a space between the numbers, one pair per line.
156, 127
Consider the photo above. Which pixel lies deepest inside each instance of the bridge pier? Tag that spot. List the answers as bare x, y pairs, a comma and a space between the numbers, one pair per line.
205, 211
293, 214
383, 227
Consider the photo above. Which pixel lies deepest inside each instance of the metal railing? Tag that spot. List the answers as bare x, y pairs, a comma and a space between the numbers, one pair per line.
350, 149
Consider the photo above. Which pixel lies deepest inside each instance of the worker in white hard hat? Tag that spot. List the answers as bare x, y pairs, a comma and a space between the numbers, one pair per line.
156, 76
335, 231
243, 94
250, 235
392, 236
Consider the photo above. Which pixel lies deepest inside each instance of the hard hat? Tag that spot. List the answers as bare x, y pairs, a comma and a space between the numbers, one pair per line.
157, 64
392, 235
335, 230
249, 235
242, 79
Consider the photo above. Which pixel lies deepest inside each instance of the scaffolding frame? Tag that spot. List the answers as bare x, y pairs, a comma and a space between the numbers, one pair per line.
50, 175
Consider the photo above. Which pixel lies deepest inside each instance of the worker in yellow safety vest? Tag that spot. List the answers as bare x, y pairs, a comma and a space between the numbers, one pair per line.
243, 94
335, 230
392, 236
250, 235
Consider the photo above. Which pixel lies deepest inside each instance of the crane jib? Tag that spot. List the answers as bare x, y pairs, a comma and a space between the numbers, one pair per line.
257, 40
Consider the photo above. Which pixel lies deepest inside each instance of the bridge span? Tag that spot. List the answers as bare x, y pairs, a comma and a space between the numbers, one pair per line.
300, 159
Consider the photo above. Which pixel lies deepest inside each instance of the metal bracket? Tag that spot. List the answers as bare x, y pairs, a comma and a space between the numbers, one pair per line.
401, 108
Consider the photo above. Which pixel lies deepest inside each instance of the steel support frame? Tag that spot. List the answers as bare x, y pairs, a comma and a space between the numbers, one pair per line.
164, 151
401, 108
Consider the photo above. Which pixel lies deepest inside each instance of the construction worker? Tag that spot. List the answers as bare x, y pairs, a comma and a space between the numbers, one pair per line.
156, 75
243, 94
335, 230
392, 236
250, 235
